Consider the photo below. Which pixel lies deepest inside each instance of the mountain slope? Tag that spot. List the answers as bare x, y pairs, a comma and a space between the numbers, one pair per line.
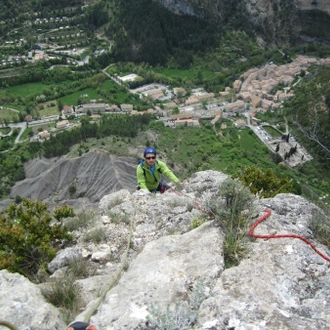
277, 21
92, 175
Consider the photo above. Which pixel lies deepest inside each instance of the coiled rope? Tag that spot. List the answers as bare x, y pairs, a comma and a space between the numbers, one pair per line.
264, 217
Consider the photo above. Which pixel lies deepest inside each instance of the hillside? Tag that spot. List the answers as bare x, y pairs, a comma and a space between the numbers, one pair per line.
160, 39
299, 21
92, 175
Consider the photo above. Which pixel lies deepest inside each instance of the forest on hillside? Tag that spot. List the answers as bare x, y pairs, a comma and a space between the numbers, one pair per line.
16, 9
309, 113
150, 33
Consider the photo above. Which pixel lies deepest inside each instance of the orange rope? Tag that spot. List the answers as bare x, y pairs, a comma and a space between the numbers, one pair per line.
268, 213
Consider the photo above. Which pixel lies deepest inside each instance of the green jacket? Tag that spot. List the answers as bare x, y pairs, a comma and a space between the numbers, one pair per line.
145, 178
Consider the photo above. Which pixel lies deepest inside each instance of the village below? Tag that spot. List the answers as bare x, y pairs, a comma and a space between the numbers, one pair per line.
248, 96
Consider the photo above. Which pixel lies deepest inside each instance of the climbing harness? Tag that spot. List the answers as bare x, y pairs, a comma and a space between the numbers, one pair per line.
112, 284
264, 217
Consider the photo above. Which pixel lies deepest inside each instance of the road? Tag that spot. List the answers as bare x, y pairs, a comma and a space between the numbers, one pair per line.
11, 109
22, 126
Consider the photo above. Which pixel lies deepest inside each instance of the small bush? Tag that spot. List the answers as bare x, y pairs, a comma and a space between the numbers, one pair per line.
199, 220
228, 209
81, 220
265, 183
28, 241
72, 189
95, 235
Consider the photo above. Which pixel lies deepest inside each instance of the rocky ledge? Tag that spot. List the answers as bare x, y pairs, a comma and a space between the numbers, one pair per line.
281, 284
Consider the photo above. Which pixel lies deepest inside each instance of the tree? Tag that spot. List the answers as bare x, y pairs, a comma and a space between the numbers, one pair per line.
72, 189
204, 104
175, 111
199, 77
59, 105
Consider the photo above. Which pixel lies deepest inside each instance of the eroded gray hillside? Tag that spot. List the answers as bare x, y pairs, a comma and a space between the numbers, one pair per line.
94, 175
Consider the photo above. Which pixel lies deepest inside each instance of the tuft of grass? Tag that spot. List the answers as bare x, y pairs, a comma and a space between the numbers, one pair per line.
95, 235
64, 294
190, 206
78, 267
320, 226
117, 218
115, 202
81, 220
227, 210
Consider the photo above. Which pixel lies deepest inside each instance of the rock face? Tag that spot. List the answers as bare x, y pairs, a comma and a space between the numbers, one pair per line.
180, 7
281, 284
23, 305
322, 5
162, 273
298, 18
195, 7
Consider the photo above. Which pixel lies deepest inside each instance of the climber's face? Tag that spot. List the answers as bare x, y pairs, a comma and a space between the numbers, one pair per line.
150, 159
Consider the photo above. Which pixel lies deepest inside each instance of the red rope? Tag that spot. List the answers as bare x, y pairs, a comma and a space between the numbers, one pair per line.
196, 204
268, 212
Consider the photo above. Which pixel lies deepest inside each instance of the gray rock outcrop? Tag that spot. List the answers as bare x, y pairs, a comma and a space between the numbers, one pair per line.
23, 305
178, 273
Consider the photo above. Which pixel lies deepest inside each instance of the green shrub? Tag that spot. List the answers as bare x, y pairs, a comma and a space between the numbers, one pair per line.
72, 189
265, 183
27, 238
198, 221
81, 220
227, 210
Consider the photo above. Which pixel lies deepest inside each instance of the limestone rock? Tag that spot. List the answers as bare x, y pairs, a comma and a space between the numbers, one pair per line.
161, 273
276, 287
23, 305
281, 284
64, 257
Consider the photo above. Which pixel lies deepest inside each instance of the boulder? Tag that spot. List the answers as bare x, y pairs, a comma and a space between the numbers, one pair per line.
23, 305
